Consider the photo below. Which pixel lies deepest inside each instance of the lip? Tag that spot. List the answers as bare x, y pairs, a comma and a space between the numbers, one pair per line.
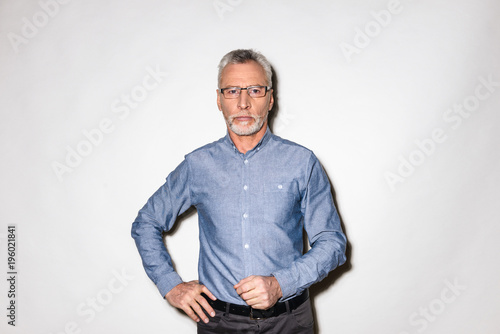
244, 118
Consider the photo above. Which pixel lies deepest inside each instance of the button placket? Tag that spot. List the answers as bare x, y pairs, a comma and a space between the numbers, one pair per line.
246, 217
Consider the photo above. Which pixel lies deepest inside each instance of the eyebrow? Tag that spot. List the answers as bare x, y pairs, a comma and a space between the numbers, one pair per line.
246, 86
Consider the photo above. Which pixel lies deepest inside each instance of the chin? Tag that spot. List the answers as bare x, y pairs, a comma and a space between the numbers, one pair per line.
245, 130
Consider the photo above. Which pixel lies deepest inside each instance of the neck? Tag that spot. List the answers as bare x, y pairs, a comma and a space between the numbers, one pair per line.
246, 143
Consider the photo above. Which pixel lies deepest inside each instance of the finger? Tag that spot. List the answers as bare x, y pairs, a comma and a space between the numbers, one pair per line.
259, 306
251, 300
190, 313
245, 287
243, 281
208, 293
206, 306
259, 301
199, 311
248, 290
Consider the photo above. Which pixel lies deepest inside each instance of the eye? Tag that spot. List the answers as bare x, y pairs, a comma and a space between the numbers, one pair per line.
231, 91
255, 91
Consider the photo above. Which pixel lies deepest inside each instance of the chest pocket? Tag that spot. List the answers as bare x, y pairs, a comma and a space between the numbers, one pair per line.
282, 187
281, 200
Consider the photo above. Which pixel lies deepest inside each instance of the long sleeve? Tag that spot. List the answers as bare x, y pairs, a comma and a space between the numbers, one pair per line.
322, 225
156, 217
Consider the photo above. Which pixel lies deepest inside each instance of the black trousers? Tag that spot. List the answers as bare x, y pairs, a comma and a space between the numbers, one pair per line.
298, 321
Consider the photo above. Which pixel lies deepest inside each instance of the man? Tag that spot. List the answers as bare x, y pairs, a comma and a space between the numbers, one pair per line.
255, 193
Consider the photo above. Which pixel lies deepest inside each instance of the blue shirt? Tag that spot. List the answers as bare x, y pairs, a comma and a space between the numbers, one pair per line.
252, 209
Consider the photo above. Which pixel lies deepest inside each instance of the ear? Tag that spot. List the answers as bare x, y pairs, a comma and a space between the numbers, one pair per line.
218, 99
271, 101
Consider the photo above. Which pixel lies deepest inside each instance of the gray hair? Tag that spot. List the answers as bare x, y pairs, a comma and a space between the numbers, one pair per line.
242, 56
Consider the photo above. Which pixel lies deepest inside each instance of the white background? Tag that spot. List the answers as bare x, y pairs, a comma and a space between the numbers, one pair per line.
421, 214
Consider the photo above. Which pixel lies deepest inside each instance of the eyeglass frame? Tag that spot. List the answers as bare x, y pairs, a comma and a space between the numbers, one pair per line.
267, 88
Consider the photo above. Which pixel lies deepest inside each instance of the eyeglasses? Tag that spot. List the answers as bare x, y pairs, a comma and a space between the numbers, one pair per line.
252, 91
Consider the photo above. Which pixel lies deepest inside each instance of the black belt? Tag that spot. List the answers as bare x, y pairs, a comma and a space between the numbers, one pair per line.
247, 311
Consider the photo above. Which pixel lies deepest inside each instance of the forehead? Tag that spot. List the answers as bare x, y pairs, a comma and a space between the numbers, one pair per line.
249, 73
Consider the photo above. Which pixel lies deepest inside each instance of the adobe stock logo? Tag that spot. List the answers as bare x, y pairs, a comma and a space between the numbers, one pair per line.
283, 119
31, 27
222, 6
372, 29
426, 147
122, 108
429, 313
97, 303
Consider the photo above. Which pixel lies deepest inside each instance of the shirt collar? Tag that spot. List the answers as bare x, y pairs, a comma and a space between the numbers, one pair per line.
267, 135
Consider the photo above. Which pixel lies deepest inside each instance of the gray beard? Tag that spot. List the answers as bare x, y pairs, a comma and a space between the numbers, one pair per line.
253, 129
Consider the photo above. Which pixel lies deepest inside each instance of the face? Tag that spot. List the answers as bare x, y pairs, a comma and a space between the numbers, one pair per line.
244, 115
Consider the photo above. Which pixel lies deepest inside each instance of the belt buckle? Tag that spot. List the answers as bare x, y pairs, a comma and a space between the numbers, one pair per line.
252, 317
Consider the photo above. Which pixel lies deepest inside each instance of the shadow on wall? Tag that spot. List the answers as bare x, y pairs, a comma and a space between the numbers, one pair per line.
275, 110
320, 287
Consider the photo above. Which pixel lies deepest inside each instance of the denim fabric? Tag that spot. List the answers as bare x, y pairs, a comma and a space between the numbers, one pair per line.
252, 209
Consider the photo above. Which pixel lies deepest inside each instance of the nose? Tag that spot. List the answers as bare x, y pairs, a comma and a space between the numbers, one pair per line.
244, 100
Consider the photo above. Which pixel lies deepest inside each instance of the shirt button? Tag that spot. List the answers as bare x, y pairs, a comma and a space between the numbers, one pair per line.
245, 215
280, 186
246, 161
247, 246
245, 187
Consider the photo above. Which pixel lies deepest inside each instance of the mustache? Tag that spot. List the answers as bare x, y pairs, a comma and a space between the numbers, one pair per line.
242, 115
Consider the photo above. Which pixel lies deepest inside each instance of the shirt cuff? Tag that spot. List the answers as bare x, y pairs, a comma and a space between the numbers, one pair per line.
285, 281
168, 282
